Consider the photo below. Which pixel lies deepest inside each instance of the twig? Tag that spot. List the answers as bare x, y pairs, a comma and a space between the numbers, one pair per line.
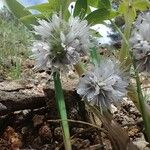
81, 122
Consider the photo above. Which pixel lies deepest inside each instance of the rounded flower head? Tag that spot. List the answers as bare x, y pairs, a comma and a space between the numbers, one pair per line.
104, 85
61, 42
140, 42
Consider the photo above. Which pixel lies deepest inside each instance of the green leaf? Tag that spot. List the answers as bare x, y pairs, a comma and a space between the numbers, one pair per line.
67, 14
21, 13
88, 10
93, 3
17, 9
113, 14
98, 16
50, 8
141, 4
80, 8
132, 15
32, 19
62, 6
125, 9
122, 7
104, 4
42, 7
95, 33
28, 20
135, 5
62, 110
47, 7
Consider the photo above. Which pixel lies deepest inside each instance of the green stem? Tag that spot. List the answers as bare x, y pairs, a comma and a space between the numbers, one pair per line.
62, 110
94, 56
126, 62
141, 100
124, 52
136, 97
125, 44
120, 32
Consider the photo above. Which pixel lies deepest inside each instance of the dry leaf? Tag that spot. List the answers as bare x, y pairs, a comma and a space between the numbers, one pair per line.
13, 138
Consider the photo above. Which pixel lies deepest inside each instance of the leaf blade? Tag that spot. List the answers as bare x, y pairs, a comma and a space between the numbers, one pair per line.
17, 9
46, 7
104, 4
80, 8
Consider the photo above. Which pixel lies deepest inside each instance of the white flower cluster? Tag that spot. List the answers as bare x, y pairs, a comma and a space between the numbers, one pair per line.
140, 42
61, 43
104, 85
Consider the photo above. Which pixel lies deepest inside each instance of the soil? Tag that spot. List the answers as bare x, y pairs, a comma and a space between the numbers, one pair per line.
37, 127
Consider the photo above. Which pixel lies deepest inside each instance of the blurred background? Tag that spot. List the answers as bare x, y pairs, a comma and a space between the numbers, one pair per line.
102, 29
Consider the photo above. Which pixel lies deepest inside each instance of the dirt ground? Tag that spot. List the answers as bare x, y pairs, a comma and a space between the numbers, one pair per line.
29, 118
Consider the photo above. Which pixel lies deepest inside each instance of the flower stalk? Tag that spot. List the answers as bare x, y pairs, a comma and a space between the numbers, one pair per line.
94, 56
134, 94
124, 52
125, 47
141, 100
62, 110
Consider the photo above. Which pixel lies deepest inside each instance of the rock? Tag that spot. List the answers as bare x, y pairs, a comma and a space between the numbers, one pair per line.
45, 132
58, 133
133, 132
4, 144
28, 63
2, 76
38, 120
79, 143
13, 86
142, 145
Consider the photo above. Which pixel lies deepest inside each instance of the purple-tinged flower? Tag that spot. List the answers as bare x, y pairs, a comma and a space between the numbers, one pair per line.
61, 42
104, 85
140, 42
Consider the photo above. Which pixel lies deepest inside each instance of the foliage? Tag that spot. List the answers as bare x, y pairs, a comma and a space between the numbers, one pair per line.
103, 11
54, 6
14, 43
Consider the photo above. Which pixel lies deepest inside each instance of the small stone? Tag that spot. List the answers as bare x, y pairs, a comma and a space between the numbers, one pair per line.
58, 133
45, 131
142, 145
2, 107
38, 120
133, 132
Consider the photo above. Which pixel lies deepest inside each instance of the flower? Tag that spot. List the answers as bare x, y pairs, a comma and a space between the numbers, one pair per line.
61, 43
104, 85
142, 56
140, 42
